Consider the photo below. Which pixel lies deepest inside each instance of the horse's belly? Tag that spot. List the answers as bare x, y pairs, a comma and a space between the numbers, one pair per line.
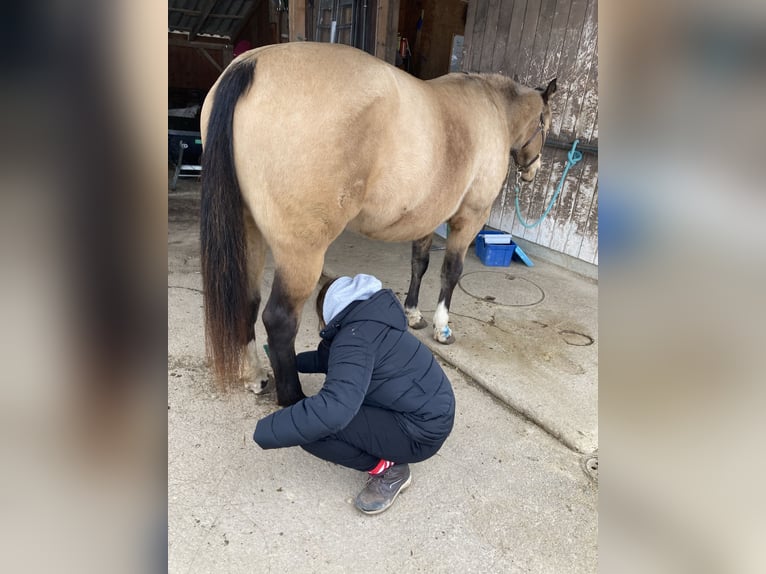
408, 227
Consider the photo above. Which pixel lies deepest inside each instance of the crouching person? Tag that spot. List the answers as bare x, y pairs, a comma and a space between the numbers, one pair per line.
385, 402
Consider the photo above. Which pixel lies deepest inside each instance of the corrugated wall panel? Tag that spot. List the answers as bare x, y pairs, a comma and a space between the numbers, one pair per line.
534, 41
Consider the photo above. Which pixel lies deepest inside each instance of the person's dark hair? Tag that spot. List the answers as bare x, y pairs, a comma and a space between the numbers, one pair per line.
320, 300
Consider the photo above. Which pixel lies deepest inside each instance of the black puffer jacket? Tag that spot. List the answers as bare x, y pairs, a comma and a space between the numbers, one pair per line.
370, 358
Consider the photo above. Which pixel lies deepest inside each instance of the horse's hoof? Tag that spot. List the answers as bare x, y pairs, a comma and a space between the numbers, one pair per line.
448, 341
261, 387
422, 323
289, 401
445, 336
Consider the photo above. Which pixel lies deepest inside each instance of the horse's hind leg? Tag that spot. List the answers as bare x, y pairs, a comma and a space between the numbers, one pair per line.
462, 229
294, 281
420, 257
256, 378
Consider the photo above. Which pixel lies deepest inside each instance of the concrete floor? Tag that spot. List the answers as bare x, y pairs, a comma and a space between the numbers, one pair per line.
507, 493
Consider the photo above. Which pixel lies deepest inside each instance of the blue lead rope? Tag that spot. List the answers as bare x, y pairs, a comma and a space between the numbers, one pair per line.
573, 157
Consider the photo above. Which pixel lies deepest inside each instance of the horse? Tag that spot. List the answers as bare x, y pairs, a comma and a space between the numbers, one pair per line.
303, 140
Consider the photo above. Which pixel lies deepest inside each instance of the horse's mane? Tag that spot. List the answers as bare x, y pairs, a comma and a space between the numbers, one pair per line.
510, 88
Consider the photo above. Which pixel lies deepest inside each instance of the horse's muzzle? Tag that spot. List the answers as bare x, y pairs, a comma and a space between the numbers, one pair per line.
529, 171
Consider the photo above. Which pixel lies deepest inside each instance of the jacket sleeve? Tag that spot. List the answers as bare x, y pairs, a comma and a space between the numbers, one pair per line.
332, 408
314, 361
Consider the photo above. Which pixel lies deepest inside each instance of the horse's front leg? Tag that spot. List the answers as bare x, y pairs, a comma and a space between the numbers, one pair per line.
462, 229
420, 257
280, 318
452, 268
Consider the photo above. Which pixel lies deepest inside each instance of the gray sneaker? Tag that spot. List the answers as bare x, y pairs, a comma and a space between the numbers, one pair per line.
382, 489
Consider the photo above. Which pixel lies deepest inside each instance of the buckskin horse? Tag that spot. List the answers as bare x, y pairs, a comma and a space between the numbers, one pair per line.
303, 140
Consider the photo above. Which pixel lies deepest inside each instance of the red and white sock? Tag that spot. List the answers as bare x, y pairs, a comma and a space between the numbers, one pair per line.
381, 467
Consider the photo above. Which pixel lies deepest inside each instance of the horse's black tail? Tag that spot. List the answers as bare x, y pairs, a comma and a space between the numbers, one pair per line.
222, 231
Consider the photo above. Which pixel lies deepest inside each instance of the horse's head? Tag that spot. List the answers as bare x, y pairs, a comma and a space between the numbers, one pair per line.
527, 155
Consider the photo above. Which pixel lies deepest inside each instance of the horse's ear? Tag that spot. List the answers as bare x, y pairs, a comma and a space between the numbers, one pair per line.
549, 91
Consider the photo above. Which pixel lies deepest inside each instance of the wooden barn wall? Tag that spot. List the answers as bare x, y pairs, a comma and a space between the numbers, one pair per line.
534, 41
189, 69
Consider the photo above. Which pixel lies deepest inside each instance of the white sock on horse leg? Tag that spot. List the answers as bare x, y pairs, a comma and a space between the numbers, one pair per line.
413, 316
442, 332
256, 375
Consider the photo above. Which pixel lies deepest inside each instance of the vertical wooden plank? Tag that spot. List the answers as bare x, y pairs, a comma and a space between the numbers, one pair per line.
534, 76
381, 28
551, 226
501, 36
386, 24
556, 38
393, 25
568, 62
588, 116
490, 32
468, 40
582, 206
584, 199
563, 212
479, 25
553, 230
581, 70
296, 18
589, 245
581, 110
573, 193
514, 37
582, 211
588, 199
555, 48
386, 46
528, 33
592, 132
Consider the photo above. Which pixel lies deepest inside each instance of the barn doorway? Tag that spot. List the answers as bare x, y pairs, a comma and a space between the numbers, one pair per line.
431, 32
350, 22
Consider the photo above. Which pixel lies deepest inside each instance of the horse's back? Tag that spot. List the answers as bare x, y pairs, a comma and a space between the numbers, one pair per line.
305, 92
311, 86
